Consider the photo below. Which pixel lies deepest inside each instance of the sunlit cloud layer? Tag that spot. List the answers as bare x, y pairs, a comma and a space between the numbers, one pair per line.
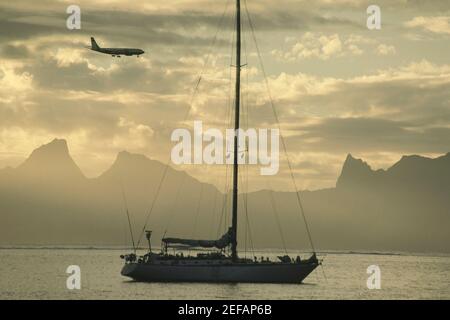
338, 87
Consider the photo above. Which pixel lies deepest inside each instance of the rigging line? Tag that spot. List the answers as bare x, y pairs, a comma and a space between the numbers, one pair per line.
213, 218
225, 194
250, 234
247, 87
246, 212
195, 90
169, 222
244, 181
225, 197
224, 216
185, 117
279, 128
197, 211
219, 28
246, 228
248, 224
230, 86
196, 215
153, 203
242, 188
245, 241
277, 218
208, 57
246, 113
230, 151
247, 219
226, 124
246, 105
128, 215
230, 100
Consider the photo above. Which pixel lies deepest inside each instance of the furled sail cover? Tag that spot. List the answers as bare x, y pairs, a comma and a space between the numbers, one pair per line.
223, 242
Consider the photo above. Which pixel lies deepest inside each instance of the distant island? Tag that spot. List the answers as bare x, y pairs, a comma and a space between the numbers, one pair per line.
48, 201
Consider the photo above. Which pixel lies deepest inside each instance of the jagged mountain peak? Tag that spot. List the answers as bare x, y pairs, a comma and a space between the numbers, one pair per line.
352, 161
51, 160
132, 164
410, 169
57, 147
354, 171
131, 161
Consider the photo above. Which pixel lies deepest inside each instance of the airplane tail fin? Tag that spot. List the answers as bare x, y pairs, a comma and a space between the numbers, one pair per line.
94, 45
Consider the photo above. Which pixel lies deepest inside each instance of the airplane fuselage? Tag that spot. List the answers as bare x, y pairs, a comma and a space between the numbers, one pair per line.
120, 51
115, 52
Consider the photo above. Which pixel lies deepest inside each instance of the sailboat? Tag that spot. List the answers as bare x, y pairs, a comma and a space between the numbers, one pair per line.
217, 266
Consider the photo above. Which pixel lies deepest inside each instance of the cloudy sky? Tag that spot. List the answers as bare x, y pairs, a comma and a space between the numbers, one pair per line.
338, 87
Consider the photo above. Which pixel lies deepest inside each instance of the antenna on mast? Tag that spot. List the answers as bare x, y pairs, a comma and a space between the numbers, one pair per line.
148, 235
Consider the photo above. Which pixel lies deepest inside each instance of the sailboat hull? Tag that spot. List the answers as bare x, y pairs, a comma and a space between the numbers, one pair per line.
230, 273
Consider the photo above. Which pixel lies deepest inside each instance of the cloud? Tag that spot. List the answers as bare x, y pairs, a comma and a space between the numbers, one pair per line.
13, 82
327, 46
435, 24
325, 114
181, 24
385, 50
313, 45
140, 134
364, 135
334, 91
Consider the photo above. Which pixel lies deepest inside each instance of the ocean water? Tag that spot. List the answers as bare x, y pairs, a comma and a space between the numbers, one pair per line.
41, 274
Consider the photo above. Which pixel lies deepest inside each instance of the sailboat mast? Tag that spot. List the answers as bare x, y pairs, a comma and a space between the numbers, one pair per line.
234, 254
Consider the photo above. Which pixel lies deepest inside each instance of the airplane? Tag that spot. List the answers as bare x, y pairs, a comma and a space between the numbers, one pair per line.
115, 52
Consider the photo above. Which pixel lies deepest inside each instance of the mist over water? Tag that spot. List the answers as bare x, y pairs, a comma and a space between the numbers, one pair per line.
40, 274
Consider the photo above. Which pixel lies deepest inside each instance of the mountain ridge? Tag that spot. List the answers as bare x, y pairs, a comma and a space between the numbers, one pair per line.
368, 209
356, 173
353, 168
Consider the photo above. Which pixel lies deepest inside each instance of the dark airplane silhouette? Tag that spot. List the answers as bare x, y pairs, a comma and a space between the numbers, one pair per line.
116, 52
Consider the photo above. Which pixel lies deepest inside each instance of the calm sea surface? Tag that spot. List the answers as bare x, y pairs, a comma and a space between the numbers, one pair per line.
41, 274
